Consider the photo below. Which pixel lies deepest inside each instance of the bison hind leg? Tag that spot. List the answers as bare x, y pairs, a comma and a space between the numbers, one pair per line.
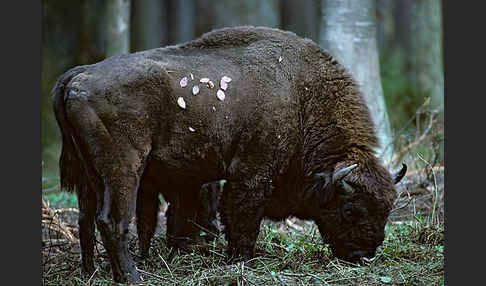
86, 222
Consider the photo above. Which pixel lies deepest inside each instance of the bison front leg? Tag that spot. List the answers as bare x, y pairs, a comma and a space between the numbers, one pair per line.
182, 217
241, 213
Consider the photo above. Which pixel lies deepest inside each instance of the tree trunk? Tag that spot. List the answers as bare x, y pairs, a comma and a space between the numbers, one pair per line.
300, 17
182, 21
91, 44
211, 14
117, 27
348, 32
384, 26
425, 65
60, 31
148, 25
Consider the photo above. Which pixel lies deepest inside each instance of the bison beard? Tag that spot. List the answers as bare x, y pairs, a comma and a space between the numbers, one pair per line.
292, 136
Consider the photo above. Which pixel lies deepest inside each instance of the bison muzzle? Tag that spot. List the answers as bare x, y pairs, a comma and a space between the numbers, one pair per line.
271, 113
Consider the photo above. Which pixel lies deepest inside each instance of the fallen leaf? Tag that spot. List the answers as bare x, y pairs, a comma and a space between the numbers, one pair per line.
192, 76
192, 129
226, 79
280, 59
204, 80
210, 84
223, 84
181, 103
183, 82
195, 89
220, 94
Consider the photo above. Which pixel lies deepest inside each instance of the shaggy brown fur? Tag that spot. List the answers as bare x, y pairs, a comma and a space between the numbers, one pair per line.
292, 116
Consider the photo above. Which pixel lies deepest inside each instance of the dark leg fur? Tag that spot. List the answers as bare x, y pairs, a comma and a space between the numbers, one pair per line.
86, 222
148, 205
242, 213
113, 221
210, 196
182, 219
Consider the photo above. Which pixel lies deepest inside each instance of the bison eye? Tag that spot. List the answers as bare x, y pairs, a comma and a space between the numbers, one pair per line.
348, 210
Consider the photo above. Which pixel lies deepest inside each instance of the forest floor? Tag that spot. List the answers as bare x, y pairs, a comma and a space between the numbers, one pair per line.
289, 252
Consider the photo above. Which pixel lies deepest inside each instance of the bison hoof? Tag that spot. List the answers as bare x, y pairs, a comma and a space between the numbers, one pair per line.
87, 269
143, 254
129, 277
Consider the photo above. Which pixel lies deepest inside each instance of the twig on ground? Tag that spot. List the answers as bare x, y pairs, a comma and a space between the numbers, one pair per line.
417, 141
51, 221
91, 277
294, 226
63, 210
435, 187
407, 202
166, 265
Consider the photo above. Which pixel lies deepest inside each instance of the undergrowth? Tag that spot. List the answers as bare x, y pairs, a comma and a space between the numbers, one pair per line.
288, 253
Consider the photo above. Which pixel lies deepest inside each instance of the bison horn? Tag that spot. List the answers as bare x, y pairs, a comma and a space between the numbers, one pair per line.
397, 177
341, 173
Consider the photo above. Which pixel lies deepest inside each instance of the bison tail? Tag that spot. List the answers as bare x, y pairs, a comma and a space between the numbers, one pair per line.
72, 173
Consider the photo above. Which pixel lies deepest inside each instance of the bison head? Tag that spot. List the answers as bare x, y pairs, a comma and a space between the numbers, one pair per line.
354, 204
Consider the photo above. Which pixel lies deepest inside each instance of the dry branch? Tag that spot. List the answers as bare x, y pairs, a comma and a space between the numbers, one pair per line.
51, 221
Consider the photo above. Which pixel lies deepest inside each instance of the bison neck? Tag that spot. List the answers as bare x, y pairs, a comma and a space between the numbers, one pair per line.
303, 203
293, 194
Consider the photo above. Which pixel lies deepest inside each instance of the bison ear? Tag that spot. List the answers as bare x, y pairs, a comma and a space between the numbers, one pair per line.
346, 187
321, 181
397, 177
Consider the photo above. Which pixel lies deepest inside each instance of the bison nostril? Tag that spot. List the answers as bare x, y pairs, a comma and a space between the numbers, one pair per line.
370, 254
356, 254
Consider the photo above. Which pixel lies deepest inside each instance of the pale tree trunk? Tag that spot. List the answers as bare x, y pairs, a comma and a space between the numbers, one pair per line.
348, 32
148, 24
181, 15
117, 27
384, 26
300, 17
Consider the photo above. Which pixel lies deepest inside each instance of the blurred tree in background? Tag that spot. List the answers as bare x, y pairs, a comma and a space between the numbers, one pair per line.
117, 27
393, 47
348, 32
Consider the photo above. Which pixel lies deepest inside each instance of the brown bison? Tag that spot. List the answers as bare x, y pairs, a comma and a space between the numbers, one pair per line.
272, 113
